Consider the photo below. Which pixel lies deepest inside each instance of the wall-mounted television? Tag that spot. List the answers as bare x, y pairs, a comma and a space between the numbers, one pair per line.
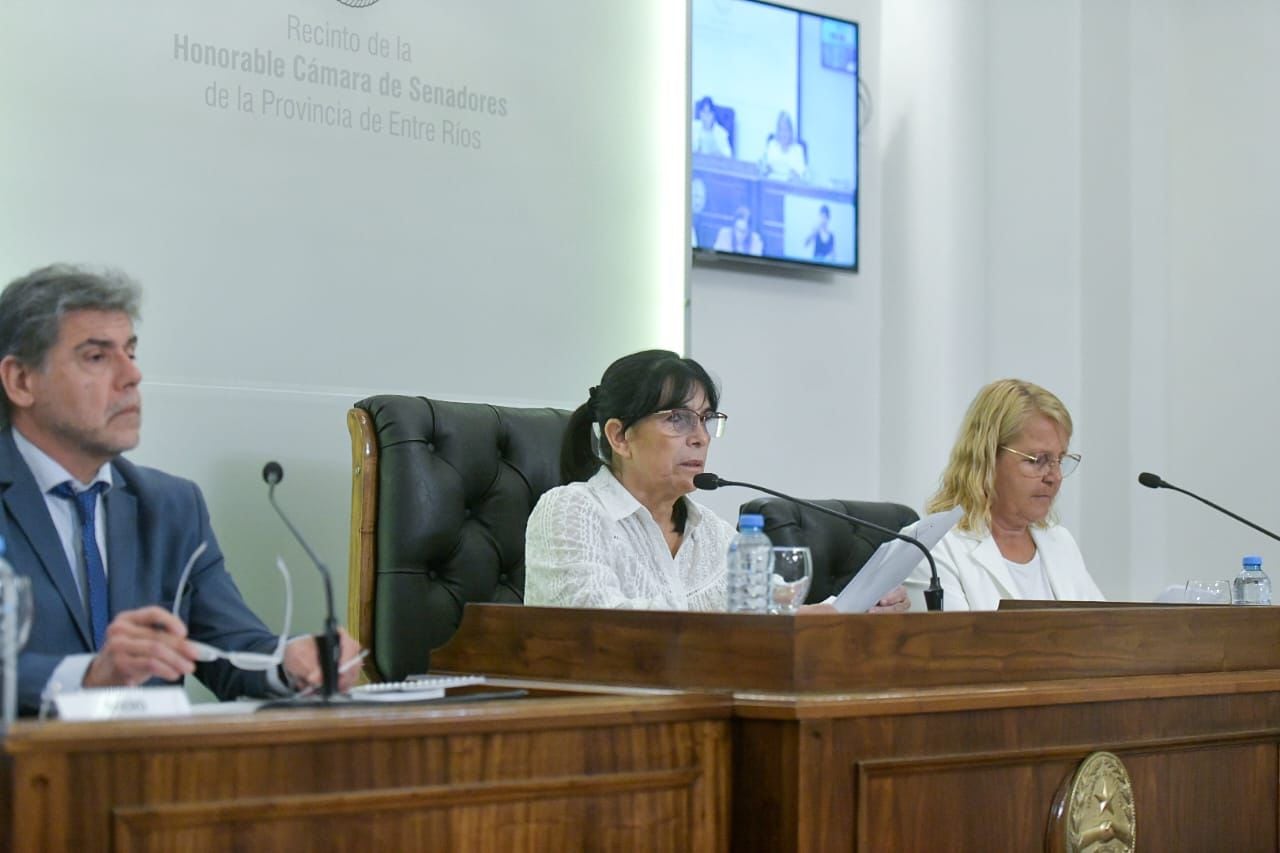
774, 134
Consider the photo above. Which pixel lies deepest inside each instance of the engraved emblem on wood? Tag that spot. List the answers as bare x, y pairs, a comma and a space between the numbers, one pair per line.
1094, 811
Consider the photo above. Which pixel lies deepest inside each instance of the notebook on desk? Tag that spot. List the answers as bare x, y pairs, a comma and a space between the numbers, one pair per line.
413, 689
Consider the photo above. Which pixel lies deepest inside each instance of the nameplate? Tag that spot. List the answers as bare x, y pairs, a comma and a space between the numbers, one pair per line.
122, 703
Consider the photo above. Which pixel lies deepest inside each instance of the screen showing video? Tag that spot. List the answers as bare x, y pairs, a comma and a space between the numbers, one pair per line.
774, 133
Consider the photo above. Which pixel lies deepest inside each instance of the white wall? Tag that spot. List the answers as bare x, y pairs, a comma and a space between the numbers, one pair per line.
1215, 431
1103, 513
931, 122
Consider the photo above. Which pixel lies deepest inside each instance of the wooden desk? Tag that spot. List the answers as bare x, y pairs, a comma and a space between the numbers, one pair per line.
949, 731
636, 772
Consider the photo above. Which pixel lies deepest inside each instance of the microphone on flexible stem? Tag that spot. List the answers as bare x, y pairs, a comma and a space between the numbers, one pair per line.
1153, 481
327, 643
932, 595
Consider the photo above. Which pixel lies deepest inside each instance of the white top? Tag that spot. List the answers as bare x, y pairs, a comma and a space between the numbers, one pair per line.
48, 474
1029, 579
66, 518
975, 575
593, 544
781, 163
724, 242
713, 141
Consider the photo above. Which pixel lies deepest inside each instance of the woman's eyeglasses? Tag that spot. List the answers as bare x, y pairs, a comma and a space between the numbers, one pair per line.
682, 422
251, 661
1039, 465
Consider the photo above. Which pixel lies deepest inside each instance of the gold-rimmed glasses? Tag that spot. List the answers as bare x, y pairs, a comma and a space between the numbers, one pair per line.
1039, 465
250, 661
682, 422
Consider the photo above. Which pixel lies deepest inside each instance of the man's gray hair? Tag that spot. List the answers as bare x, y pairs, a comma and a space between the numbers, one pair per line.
32, 308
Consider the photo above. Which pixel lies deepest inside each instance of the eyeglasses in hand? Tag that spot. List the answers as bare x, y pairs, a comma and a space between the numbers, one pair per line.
250, 661
682, 422
1039, 465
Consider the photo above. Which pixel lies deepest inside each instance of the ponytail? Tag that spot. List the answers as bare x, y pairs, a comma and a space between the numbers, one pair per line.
578, 460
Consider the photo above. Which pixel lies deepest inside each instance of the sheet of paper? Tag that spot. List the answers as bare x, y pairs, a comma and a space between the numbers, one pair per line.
893, 561
234, 707
122, 703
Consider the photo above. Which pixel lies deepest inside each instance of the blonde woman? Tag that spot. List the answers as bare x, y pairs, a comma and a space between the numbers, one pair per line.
1007, 465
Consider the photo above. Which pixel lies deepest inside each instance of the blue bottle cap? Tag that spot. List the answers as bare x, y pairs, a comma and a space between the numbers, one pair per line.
750, 521
1253, 561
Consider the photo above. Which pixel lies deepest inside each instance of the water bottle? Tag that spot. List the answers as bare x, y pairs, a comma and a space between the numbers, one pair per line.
749, 569
9, 616
1251, 586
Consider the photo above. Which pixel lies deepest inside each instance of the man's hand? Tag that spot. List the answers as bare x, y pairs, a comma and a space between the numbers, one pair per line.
895, 602
302, 662
142, 644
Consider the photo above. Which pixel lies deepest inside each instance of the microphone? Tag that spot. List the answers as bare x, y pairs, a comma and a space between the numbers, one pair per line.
932, 596
1154, 481
327, 644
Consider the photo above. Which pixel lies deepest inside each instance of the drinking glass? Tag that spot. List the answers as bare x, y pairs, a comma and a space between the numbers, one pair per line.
1208, 592
15, 626
22, 599
792, 574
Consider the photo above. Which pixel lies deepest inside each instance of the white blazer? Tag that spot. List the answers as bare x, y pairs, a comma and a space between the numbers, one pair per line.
974, 574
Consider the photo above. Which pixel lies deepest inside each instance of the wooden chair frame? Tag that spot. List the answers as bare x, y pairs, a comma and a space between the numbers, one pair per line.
361, 570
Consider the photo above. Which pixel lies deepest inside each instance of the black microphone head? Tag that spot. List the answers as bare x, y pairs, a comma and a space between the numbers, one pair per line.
707, 481
272, 473
1151, 481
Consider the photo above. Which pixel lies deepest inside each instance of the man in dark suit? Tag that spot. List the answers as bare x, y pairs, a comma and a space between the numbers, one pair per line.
104, 541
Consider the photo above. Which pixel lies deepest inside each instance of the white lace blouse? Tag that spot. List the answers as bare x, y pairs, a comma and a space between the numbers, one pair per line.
593, 544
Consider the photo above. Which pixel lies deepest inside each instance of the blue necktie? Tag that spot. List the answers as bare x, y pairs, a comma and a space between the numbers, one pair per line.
95, 573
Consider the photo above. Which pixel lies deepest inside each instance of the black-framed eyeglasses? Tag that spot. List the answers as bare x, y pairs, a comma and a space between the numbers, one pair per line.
682, 422
250, 661
1039, 465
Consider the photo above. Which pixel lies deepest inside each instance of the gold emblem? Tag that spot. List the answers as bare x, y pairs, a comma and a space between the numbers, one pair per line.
1095, 811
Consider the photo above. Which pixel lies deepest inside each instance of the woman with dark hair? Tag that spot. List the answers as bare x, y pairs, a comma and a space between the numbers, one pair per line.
623, 532
708, 135
824, 242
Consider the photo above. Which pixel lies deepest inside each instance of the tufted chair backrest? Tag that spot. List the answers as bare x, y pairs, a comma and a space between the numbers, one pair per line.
441, 493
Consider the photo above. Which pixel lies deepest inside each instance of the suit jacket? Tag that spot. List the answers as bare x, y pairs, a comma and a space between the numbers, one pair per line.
154, 523
974, 575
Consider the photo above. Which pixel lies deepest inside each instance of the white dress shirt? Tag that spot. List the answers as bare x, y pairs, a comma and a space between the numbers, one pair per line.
593, 544
48, 474
713, 141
